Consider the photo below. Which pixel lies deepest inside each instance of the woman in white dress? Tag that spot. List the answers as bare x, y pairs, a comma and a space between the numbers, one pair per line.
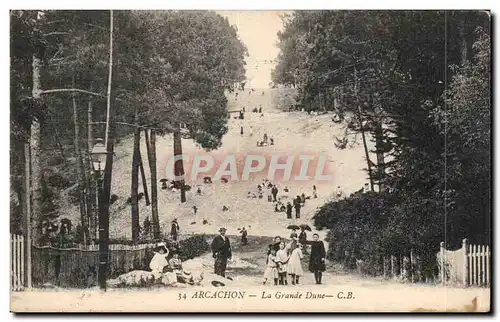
159, 261
294, 267
282, 260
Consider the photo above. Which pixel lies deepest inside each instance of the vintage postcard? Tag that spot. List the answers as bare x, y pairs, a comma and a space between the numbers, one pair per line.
250, 161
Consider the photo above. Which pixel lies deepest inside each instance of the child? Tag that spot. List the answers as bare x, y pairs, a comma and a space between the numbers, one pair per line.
294, 265
282, 260
271, 272
175, 264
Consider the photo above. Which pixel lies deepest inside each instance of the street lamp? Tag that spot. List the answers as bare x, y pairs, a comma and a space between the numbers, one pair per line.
99, 155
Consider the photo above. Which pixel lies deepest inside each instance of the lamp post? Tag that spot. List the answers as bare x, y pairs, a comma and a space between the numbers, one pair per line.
99, 155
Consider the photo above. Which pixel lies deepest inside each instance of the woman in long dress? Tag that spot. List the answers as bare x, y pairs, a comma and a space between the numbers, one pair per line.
317, 260
282, 260
294, 268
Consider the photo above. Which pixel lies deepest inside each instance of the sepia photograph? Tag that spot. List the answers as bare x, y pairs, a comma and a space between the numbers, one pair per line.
250, 161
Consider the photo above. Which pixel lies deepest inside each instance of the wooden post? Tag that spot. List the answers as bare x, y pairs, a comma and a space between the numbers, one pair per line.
465, 275
384, 266
471, 264
443, 273
27, 215
412, 265
474, 265
488, 279
481, 265
393, 260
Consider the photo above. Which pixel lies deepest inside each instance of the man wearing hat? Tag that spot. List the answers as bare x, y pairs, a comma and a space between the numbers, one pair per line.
221, 250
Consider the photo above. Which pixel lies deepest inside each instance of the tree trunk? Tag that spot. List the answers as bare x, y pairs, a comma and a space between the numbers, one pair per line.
379, 147
79, 167
179, 164
463, 39
151, 146
367, 155
36, 168
135, 183
143, 178
27, 215
92, 192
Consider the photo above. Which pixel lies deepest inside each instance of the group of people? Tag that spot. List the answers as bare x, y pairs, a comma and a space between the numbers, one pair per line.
284, 262
265, 140
166, 266
298, 202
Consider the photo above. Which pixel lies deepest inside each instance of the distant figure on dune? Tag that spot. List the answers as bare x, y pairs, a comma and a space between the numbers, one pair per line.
274, 192
339, 193
174, 231
244, 234
289, 210
297, 206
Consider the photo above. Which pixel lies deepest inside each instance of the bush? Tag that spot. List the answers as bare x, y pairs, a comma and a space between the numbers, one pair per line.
193, 247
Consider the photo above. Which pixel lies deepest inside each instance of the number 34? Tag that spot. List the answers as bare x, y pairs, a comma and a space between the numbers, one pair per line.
182, 296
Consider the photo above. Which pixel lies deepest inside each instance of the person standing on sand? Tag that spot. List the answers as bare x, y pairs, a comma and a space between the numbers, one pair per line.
289, 211
271, 272
303, 238
244, 233
282, 260
221, 249
274, 192
296, 204
294, 268
174, 230
317, 260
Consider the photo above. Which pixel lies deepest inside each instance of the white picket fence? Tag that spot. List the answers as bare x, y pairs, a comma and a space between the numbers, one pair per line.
17, 282
467, 266
478, 259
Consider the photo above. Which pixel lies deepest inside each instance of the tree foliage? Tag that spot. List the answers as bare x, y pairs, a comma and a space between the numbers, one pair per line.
173, 66
423, 75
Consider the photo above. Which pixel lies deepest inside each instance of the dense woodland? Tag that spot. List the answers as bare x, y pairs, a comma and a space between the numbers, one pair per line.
419, 83
152, 72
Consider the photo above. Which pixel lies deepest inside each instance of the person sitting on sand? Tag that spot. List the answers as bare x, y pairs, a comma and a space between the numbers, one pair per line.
176, 265
159, 261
